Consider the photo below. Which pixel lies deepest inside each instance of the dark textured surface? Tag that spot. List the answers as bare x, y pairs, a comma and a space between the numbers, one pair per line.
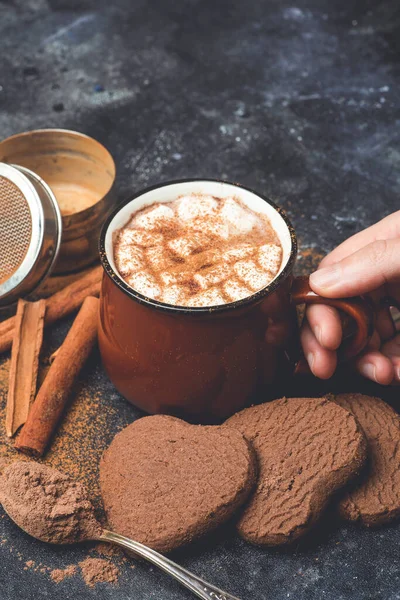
299, 100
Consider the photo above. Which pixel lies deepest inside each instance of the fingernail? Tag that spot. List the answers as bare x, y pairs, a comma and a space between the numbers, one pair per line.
327, 277
398, 373
310, 360
318, 333
369, 371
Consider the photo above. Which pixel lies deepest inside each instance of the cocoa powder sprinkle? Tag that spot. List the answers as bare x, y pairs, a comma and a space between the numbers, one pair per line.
98, 570
58, 575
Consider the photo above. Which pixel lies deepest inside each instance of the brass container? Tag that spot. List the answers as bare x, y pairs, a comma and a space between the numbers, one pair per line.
81, 174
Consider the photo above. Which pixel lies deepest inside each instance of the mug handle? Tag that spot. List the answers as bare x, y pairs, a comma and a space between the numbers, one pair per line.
358, 311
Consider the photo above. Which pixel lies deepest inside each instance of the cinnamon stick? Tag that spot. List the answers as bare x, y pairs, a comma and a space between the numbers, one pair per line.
28, 337
55, 283
59, 305
54, 393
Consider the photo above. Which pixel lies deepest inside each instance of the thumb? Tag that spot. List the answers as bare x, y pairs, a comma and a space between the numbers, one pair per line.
364, 271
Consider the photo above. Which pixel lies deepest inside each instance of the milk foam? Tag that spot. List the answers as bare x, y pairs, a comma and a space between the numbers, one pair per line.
197, 250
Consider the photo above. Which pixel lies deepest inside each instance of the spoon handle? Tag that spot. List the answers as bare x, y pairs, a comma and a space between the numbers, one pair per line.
201, 588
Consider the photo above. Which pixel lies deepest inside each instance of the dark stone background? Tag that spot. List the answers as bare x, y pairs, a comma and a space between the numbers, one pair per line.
298, 100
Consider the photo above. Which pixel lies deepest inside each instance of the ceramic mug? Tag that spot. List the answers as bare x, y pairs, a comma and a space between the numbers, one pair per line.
205, 364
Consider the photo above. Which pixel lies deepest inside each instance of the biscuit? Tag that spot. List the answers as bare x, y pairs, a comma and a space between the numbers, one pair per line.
165, 483
376, 498
307, 448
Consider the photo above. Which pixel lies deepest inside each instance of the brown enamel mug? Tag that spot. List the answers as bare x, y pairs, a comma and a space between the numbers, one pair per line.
205, 364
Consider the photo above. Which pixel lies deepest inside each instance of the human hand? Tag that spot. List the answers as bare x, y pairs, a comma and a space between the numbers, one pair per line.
366, 263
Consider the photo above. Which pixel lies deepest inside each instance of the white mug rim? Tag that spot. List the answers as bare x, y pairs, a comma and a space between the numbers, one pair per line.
112, 273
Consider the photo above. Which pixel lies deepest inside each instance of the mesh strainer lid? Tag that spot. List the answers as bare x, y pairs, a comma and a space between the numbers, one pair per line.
28, 238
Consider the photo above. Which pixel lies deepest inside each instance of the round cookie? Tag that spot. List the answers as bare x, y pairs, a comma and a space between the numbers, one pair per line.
165, 483
307, 448
376, 499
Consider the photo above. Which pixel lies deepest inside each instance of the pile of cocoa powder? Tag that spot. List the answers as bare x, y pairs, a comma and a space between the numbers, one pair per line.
54, 508
58, 575
47, 504
94, 570
98, 570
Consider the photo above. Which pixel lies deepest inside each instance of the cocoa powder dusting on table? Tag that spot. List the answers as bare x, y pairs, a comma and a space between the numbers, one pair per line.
93, 570
98, 570
58, 575
83, 435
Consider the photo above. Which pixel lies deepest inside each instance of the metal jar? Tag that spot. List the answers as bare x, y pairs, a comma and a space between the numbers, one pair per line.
81, 173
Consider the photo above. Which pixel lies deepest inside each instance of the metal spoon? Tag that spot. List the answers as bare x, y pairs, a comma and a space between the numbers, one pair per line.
198, 586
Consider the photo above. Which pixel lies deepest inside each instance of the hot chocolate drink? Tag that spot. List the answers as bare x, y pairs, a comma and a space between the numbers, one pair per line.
197, 250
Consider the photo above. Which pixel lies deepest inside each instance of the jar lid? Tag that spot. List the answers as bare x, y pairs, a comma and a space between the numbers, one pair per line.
30, 232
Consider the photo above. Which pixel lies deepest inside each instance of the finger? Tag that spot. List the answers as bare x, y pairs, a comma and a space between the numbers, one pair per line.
377, 367
391, 349
387, 228
361, 272
322, 362
326, 325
